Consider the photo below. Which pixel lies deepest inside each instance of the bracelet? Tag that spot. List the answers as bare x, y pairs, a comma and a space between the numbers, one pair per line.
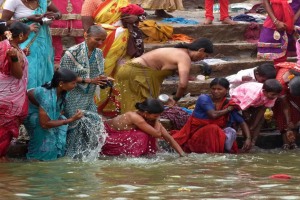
176, 98
59, 15
275, 21
14, 59
24, 19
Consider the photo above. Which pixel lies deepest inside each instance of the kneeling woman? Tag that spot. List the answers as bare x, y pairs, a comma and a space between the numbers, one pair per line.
205, 130
135, 133
46, 124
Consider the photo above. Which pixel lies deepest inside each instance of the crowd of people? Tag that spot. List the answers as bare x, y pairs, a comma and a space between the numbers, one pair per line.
102, 93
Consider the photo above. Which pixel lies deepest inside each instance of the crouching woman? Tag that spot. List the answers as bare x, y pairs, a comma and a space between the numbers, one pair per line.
46, 125
135, 133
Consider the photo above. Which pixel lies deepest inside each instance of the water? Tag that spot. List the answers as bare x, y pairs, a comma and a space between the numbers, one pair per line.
164, 176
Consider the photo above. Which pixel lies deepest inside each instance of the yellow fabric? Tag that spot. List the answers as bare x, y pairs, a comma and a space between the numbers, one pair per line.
136, 82
110, 13
155, 33
169, 5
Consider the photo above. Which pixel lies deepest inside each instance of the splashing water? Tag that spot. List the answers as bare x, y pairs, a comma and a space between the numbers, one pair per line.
86, 137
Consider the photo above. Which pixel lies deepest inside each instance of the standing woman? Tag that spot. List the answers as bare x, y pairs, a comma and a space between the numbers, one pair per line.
39, 42
276, 35
13, 82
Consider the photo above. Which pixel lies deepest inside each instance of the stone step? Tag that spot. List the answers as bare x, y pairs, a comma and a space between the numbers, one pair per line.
237, 49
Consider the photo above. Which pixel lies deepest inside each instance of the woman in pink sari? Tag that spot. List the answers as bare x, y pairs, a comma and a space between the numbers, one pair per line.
13, 83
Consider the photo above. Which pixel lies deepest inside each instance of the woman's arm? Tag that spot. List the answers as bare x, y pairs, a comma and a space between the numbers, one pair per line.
213, 114
54, 12
140, 122
171, 141
279, 25
247, 144
7, 15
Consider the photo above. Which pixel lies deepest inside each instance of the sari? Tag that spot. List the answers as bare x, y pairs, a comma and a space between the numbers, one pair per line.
203, 135
46, 144
136, 82
13, 99
128, 142
273, 44
41, 57
169, 5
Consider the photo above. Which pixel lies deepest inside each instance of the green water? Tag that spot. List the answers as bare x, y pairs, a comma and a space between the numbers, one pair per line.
165, 176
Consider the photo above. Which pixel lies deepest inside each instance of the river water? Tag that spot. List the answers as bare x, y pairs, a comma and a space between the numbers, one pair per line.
164, 176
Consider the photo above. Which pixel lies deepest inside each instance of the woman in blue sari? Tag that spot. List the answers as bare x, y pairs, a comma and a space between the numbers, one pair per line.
47, 126
39, 43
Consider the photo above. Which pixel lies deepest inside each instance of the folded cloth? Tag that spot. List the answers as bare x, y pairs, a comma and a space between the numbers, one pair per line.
244, 18
230, 137
179, 20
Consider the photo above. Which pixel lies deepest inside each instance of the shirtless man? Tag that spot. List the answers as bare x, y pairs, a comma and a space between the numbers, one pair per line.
142, 77
135, 133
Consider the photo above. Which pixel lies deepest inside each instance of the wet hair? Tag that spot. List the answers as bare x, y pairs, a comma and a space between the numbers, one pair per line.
220, 81
198, 44
64, 75
3, 27
95, 29
152, 106
272, 85
294, 86
266, 70
16, 28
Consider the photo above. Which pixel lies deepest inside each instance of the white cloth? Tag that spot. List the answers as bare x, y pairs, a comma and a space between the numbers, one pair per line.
18, 7
237, 79
230, 137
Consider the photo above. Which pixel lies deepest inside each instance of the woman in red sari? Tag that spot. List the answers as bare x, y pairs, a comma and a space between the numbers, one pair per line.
205, 130
13, 83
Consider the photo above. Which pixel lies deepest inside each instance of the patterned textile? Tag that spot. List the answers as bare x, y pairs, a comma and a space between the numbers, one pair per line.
41, 57
169, 5
136, 82
46, 144
128, 142
86, 137
203, 135
13, 98
76, 59
176, 115
251, 94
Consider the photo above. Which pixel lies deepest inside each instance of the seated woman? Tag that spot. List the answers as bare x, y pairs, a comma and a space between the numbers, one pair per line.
46, 125
13, 82
206, 130
134, 133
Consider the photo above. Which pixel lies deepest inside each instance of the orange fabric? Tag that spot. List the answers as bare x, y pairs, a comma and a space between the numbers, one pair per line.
108, 43
100, 7
182, 37
89, 7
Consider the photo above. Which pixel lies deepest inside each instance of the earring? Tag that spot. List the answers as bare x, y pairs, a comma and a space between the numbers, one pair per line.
21, 36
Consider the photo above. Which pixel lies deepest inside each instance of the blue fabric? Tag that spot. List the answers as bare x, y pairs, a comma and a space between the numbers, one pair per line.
46, 144
203, 104
244, 18
188, 111
179, 20
41, 57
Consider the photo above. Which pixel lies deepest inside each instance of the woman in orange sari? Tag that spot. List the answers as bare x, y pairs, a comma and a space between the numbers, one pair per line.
208, 130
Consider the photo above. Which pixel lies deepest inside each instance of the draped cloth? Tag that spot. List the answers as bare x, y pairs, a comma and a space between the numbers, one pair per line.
13, 98
41, 57
46, 144
128, 142
136, 83
169, 5
204, 135
274, 44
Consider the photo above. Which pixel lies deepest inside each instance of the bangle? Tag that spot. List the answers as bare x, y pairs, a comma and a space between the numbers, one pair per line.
176, 98
65, 122
58, 15
275, 21
14, 59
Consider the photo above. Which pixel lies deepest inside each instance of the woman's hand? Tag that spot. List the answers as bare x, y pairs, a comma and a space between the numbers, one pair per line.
52, 15
247, 145
77, 115
280, 26
34, 27
35, 18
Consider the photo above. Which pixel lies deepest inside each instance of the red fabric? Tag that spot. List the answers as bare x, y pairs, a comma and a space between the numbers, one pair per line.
132, 9
5, 138
128, 142
281, 176
283, 12
209, 4
4, 59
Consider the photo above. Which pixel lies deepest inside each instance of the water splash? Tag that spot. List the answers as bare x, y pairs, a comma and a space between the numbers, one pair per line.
86, 137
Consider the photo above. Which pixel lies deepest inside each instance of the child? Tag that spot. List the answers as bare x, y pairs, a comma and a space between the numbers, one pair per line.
224, 16
253, 99
257, 74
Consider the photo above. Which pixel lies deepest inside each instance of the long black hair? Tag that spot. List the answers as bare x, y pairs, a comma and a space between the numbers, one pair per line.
3, 28
152, 106
204, 43
64, 75
16, 28
220, 81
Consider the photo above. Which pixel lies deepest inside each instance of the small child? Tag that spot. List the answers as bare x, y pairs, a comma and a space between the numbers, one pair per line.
253, 99
257, 74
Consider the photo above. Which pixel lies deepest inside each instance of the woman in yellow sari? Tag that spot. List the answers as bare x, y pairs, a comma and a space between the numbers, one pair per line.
110, 14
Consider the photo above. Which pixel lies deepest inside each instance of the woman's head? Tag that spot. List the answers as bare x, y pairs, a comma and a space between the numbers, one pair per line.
95, 36
294, 86
63, 78
152, 108
219, 88
3, 28
19, 31
199, 49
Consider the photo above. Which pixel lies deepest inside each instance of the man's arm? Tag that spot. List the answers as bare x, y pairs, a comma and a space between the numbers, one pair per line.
140, 122
184, 67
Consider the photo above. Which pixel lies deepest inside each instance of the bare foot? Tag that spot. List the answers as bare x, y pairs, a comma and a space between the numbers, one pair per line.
207, 21
228, 21
161, 13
